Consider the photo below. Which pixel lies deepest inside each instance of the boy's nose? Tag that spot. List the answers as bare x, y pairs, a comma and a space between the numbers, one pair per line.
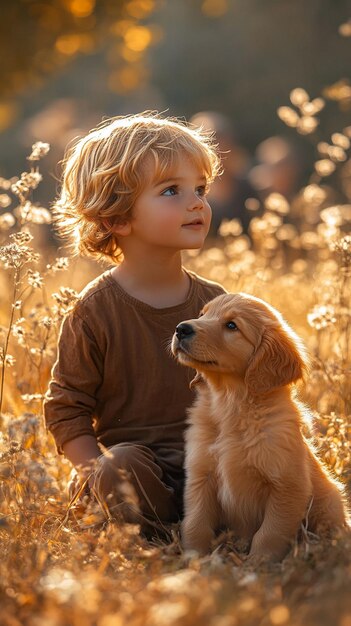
196, 202
184, 330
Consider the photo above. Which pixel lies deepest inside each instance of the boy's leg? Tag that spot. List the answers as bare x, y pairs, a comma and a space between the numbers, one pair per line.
127, 478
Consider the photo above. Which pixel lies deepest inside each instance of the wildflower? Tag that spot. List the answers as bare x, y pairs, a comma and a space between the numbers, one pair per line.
16, 254
22, 237
286, 232
343, 249
34, 279
31, 397
324, 167
7, 221
337, 215
61, 263
66, 299
8, 359
266, 225
28, 180
5, 200
230, 227
310, 240
18, 331
323, 148
46, 321
314, 194
299, 96
31, 213
321, 317
304, 120
336, 153
276, 202
288, 116
39, 150
5, 184
307, 124
339, 139
312, 107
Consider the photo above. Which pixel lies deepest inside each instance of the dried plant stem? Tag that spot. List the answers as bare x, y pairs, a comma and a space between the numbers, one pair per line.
7, 338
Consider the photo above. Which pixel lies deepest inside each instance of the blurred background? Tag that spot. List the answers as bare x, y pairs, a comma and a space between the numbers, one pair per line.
229, 65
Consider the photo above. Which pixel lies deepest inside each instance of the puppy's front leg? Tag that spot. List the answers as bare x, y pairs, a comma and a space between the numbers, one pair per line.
285, 511
201, 514
202, 510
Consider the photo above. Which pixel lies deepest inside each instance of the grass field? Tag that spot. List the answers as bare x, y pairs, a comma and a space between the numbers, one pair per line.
66, 565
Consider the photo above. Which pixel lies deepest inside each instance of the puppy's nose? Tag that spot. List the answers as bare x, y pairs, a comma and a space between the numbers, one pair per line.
184, 330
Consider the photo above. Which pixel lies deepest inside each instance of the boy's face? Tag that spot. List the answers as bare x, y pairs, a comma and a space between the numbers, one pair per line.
164, 209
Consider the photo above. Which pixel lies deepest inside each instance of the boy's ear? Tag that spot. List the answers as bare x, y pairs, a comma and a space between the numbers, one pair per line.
119, 229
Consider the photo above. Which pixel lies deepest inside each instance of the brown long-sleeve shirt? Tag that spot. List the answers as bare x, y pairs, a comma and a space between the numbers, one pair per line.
114, 377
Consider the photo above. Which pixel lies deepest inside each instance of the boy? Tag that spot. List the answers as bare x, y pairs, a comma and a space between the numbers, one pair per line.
133, 192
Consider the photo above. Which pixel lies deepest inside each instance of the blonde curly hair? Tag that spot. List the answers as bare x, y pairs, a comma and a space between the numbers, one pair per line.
105, 171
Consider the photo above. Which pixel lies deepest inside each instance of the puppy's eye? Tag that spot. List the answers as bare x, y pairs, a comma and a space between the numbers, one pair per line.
231, 325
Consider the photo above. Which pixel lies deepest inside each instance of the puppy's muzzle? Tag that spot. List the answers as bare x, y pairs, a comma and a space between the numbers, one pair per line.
184, 331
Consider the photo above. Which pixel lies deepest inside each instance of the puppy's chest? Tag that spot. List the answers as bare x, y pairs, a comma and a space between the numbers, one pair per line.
240, 448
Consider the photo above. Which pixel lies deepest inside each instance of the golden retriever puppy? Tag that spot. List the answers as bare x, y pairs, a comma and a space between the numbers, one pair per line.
248, 466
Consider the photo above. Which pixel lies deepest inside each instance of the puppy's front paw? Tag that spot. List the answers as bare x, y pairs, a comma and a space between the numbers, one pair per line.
196, 537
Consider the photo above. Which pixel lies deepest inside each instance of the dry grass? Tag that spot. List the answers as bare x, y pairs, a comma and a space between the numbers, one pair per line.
63, 563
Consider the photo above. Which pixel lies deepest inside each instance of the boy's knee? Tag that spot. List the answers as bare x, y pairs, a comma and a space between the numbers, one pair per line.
119, 457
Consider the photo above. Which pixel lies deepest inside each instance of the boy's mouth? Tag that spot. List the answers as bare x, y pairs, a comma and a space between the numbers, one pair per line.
195, 222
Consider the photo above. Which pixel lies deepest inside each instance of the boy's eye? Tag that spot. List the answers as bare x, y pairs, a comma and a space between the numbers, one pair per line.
201, 191
170, 191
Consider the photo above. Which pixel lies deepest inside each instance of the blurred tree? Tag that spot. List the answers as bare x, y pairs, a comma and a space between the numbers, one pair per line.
39, 38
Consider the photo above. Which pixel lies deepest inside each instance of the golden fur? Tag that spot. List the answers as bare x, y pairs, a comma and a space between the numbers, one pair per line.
248, 466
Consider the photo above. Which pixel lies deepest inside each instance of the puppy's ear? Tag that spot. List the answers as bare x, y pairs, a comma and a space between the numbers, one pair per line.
279, 360
195, 381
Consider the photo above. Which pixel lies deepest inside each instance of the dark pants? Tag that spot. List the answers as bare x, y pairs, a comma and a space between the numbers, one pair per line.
138, 485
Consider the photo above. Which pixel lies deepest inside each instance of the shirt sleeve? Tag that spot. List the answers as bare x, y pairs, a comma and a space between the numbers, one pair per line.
75, 378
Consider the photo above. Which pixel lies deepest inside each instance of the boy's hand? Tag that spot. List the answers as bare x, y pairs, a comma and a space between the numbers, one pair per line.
76, 480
